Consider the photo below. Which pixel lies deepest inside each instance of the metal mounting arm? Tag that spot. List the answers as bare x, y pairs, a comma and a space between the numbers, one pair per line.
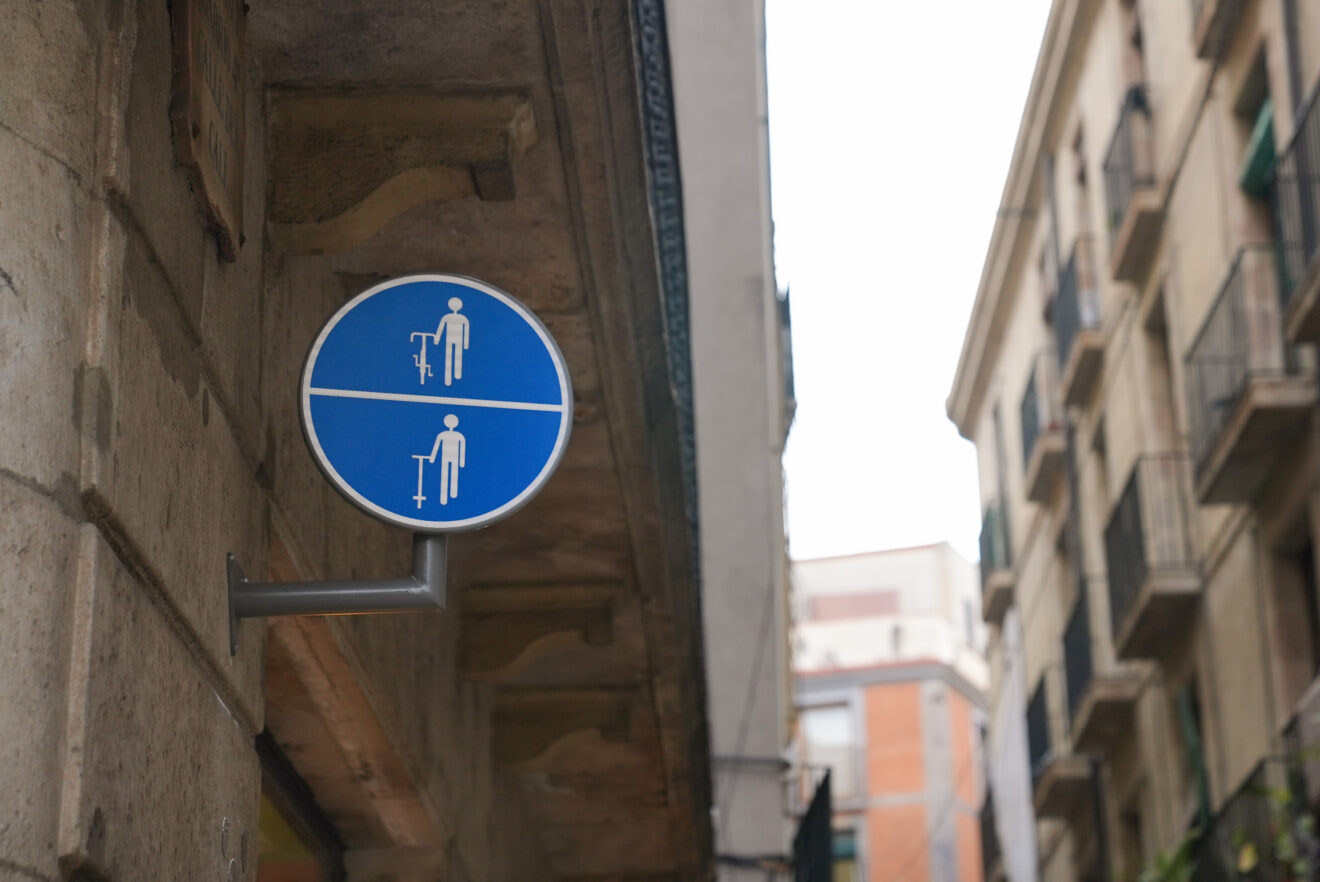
423, 590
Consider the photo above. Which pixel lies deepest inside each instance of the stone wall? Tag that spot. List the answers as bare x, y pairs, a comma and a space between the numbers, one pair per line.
149, 429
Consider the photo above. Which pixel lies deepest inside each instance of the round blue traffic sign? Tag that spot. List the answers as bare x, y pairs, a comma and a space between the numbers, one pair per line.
436, 402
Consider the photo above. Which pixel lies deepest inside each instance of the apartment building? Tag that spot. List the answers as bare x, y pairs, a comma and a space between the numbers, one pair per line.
1138, 376
889, 683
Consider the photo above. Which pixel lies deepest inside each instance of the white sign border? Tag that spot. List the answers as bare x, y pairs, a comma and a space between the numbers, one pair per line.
463, 524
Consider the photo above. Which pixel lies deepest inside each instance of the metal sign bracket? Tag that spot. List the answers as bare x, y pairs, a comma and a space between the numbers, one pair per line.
424, 590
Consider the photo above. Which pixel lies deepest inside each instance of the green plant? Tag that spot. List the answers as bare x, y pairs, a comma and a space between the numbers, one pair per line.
1177, 865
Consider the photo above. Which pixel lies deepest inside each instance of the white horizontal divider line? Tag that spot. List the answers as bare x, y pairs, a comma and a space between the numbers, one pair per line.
434, 399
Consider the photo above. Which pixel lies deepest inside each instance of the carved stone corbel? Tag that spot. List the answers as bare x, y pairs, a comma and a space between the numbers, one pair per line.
344, 164
505, 627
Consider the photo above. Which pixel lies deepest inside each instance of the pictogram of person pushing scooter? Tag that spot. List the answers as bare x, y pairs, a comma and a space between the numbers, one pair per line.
451, 447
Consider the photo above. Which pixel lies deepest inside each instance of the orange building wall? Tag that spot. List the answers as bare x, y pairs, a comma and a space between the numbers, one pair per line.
894, 760
899, 851
897, 841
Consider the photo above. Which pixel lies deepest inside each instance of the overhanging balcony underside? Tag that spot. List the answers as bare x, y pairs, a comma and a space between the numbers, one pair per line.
1269, 413
1083, 365
1160, 615
1138, 235
1104, 715
996, 596
1063, 786
1045, 465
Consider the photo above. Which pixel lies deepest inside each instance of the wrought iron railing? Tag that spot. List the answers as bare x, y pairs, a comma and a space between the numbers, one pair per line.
990, 852
1148, 531
1296, 196
996, 553
1078, 666
1128, 163
813, 844
1242, 338
1263, 832
1039, 410
1077, 305
1039, 751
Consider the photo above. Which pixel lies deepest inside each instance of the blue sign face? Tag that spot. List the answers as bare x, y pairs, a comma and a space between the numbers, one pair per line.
436, 403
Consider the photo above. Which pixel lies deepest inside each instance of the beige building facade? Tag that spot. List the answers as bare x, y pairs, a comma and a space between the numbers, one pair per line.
188, 190
1138, 376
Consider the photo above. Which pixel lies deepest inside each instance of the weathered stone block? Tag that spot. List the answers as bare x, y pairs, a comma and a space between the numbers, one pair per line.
174, 487
49, 65
37, 542
159, 200
161, 777
42, 304
231, 317
299, 297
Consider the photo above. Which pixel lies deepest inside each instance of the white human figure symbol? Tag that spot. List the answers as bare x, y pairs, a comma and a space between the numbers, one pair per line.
455, 329
452, 448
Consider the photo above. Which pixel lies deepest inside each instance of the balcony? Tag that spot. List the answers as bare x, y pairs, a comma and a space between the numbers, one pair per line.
1077, 326
1061, 783
1297, 221
1212, 22
1249, 392
1100, 704
1043, 444
996, 564
1261, 831
1153, 581
1136, 211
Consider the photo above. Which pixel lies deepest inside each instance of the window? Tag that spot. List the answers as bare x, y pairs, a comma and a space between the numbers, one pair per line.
845, 856
1187, 712
829, 733
1296, 610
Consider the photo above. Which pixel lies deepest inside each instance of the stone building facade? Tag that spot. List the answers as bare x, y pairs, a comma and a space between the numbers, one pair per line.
187, 191
1138, 376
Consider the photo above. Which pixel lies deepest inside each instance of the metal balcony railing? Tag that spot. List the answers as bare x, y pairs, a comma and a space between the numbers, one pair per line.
1148, 531
813, 844
1260, 832
1039, 751
1077, 660
1077, 306
990, 853
1039, 410
1296, 199
1128, 163
995, 548
1242, 338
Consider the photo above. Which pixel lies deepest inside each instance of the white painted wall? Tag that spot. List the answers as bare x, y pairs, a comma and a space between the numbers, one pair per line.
717, 49
939, 602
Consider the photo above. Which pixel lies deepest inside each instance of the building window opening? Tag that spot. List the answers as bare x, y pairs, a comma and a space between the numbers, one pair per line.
1297, 611
845, 856
1187, 711
829, 735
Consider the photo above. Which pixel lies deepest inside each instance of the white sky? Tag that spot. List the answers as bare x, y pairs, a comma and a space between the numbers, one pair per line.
892, 123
